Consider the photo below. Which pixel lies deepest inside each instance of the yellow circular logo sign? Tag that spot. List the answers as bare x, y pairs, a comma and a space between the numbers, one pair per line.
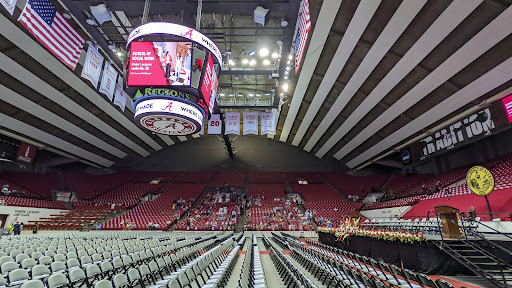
480, 180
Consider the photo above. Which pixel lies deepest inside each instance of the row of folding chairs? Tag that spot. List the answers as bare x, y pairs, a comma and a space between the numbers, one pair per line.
290, 274
197, 272
375, 271
86, 272
220, 277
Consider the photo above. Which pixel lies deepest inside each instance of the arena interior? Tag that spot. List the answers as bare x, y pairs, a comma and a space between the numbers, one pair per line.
355, 143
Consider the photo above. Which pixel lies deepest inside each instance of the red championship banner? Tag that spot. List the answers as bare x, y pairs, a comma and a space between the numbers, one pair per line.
27, 153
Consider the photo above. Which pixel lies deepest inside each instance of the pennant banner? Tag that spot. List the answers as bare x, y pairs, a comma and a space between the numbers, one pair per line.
92, 65
251, 123
9, 5
108, 81
120, 98
215, 125
268, 123
232, 123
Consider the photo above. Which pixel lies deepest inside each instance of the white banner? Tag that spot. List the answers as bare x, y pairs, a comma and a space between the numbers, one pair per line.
92, 65
215, 125
251, 123
9, 5
108, 81
232, 123
120, 98
268, 123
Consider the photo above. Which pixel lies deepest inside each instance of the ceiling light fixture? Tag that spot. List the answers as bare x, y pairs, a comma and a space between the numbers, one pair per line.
251, 95
285, 87
67, 14
119, 54
252, 53
288, 68
266, 62
236, 77
90, 22
290, 57
246, 77
252, 62
111, 46
245, 61
275, 55
284, 22
222, 94
231, 62
264, 52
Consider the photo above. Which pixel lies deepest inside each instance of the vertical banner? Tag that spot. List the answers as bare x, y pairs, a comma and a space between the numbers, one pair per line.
92, 66
215, 125
251, 123
232, 123
108, 81
9, 5
268, 123
120, 98
27, 153
507, 104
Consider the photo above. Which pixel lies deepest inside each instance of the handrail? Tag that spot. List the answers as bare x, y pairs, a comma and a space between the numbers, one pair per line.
500, 261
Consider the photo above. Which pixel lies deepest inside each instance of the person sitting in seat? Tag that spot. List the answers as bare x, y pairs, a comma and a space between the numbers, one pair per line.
472, 213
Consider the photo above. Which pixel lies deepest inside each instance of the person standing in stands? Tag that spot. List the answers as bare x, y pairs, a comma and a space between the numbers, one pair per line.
35, 228
472, 213
16, 228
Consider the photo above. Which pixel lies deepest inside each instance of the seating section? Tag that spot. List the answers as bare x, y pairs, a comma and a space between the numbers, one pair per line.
127, 194
211, 215
354, 185
269, 210
310, 177
90, 186
159, 211
325, 203
72, 219
36, 183
28, 202
231, 179
394, 203
148, 176
194, 177
266, 177
20, 191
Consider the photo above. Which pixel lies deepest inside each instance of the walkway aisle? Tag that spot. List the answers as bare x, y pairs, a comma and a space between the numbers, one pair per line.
271, 276
308, 275
261, 246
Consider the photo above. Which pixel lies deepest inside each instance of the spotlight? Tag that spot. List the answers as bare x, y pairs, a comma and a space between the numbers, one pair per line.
111, 46
264, 52
252, 53
290, 57
245, 61
67, 14
288, 62
285, 87
266, 62
288, 68
119, 54
272, 90
246, 77
275, 55
250, 94
269, 76
236, 77
258, 95
230, 95
240, 94
284, 22
90, 22
231, 62
252, 62
222, 94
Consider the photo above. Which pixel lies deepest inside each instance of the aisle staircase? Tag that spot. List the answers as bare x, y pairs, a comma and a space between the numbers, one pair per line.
492, 264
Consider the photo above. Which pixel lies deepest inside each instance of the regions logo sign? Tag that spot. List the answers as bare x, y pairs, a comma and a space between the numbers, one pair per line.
170, 117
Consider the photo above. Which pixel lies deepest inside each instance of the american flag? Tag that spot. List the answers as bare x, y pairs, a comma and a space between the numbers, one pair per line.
302, 34
43, 21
